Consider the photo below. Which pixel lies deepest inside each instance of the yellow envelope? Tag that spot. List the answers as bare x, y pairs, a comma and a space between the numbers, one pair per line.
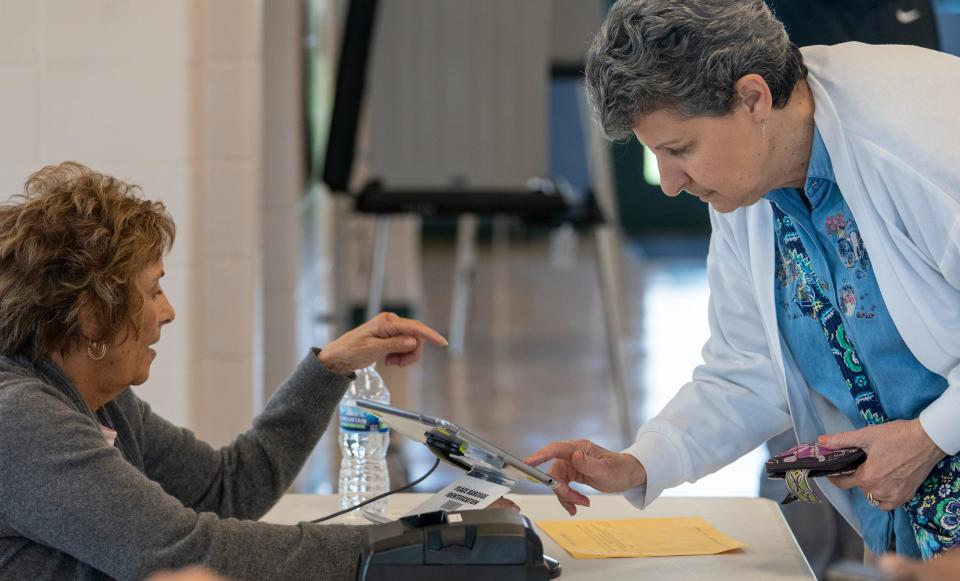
638, 537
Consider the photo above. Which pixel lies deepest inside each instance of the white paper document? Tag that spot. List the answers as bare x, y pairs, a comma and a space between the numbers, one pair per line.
467, 493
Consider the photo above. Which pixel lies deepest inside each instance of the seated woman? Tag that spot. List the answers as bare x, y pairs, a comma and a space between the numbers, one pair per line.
94, 484
832, 174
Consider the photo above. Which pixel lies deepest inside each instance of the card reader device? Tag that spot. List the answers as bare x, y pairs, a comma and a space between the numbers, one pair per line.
439, 541
466, 546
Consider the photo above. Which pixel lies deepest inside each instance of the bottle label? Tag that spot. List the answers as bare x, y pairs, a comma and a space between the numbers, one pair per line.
356, 419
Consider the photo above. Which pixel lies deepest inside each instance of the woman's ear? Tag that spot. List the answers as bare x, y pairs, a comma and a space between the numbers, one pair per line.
755, 96
89, 322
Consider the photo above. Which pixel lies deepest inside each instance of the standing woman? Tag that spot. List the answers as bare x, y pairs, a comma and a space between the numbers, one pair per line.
94, 484
833, 180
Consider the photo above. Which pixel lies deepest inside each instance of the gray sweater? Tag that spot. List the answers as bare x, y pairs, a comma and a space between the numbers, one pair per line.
73, 507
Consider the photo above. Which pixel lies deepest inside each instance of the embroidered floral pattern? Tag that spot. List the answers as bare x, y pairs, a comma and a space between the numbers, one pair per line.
848, 299
836, 223
849, 243
852, 255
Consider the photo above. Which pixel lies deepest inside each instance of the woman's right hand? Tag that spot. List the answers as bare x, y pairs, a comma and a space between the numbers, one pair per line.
387, 336
583, 461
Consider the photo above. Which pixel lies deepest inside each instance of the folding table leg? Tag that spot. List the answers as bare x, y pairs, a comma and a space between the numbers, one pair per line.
604, 244
378, 267
462, 281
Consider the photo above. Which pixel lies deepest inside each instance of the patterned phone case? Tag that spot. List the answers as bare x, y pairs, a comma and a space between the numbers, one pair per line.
819, 460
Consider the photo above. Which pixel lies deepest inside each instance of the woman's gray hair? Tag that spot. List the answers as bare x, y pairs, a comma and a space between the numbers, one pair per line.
685, 56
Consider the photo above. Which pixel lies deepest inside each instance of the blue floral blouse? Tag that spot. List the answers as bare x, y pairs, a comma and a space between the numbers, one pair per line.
843, 271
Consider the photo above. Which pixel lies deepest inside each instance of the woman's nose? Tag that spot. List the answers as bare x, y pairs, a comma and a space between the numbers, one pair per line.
674, 184
169, 313
673, 180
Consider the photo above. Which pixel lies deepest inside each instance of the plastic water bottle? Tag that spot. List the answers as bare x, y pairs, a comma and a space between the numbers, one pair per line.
363, 444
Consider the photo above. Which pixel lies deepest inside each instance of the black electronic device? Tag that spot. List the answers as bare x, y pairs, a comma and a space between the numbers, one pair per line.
466, 546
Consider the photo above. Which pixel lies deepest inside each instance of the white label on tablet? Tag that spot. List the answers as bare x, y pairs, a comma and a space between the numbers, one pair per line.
467, 493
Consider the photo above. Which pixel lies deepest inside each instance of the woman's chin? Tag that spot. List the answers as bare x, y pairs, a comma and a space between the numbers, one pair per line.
727, 205
722, 206
140, 379
144, 372
142, 375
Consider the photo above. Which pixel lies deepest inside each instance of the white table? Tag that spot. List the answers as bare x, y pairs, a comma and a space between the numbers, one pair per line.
771, 552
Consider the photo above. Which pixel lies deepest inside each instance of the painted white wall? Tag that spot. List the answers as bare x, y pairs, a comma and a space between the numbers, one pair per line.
283, 186
169, 96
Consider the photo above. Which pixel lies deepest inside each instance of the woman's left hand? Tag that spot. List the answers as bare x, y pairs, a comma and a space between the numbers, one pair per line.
900, 456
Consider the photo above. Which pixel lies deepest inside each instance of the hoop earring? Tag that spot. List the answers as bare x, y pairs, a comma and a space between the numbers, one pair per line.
91, 346
763, 129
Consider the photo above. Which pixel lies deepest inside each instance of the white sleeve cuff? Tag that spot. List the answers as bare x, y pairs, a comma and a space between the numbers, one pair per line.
662, 463
939, 420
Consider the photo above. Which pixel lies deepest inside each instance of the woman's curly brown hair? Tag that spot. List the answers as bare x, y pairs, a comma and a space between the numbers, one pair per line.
75, 238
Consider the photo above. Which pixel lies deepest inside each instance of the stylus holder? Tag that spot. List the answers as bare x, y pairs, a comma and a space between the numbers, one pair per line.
488, 466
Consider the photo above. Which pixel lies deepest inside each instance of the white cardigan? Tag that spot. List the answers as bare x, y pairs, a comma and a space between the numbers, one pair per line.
890, 118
